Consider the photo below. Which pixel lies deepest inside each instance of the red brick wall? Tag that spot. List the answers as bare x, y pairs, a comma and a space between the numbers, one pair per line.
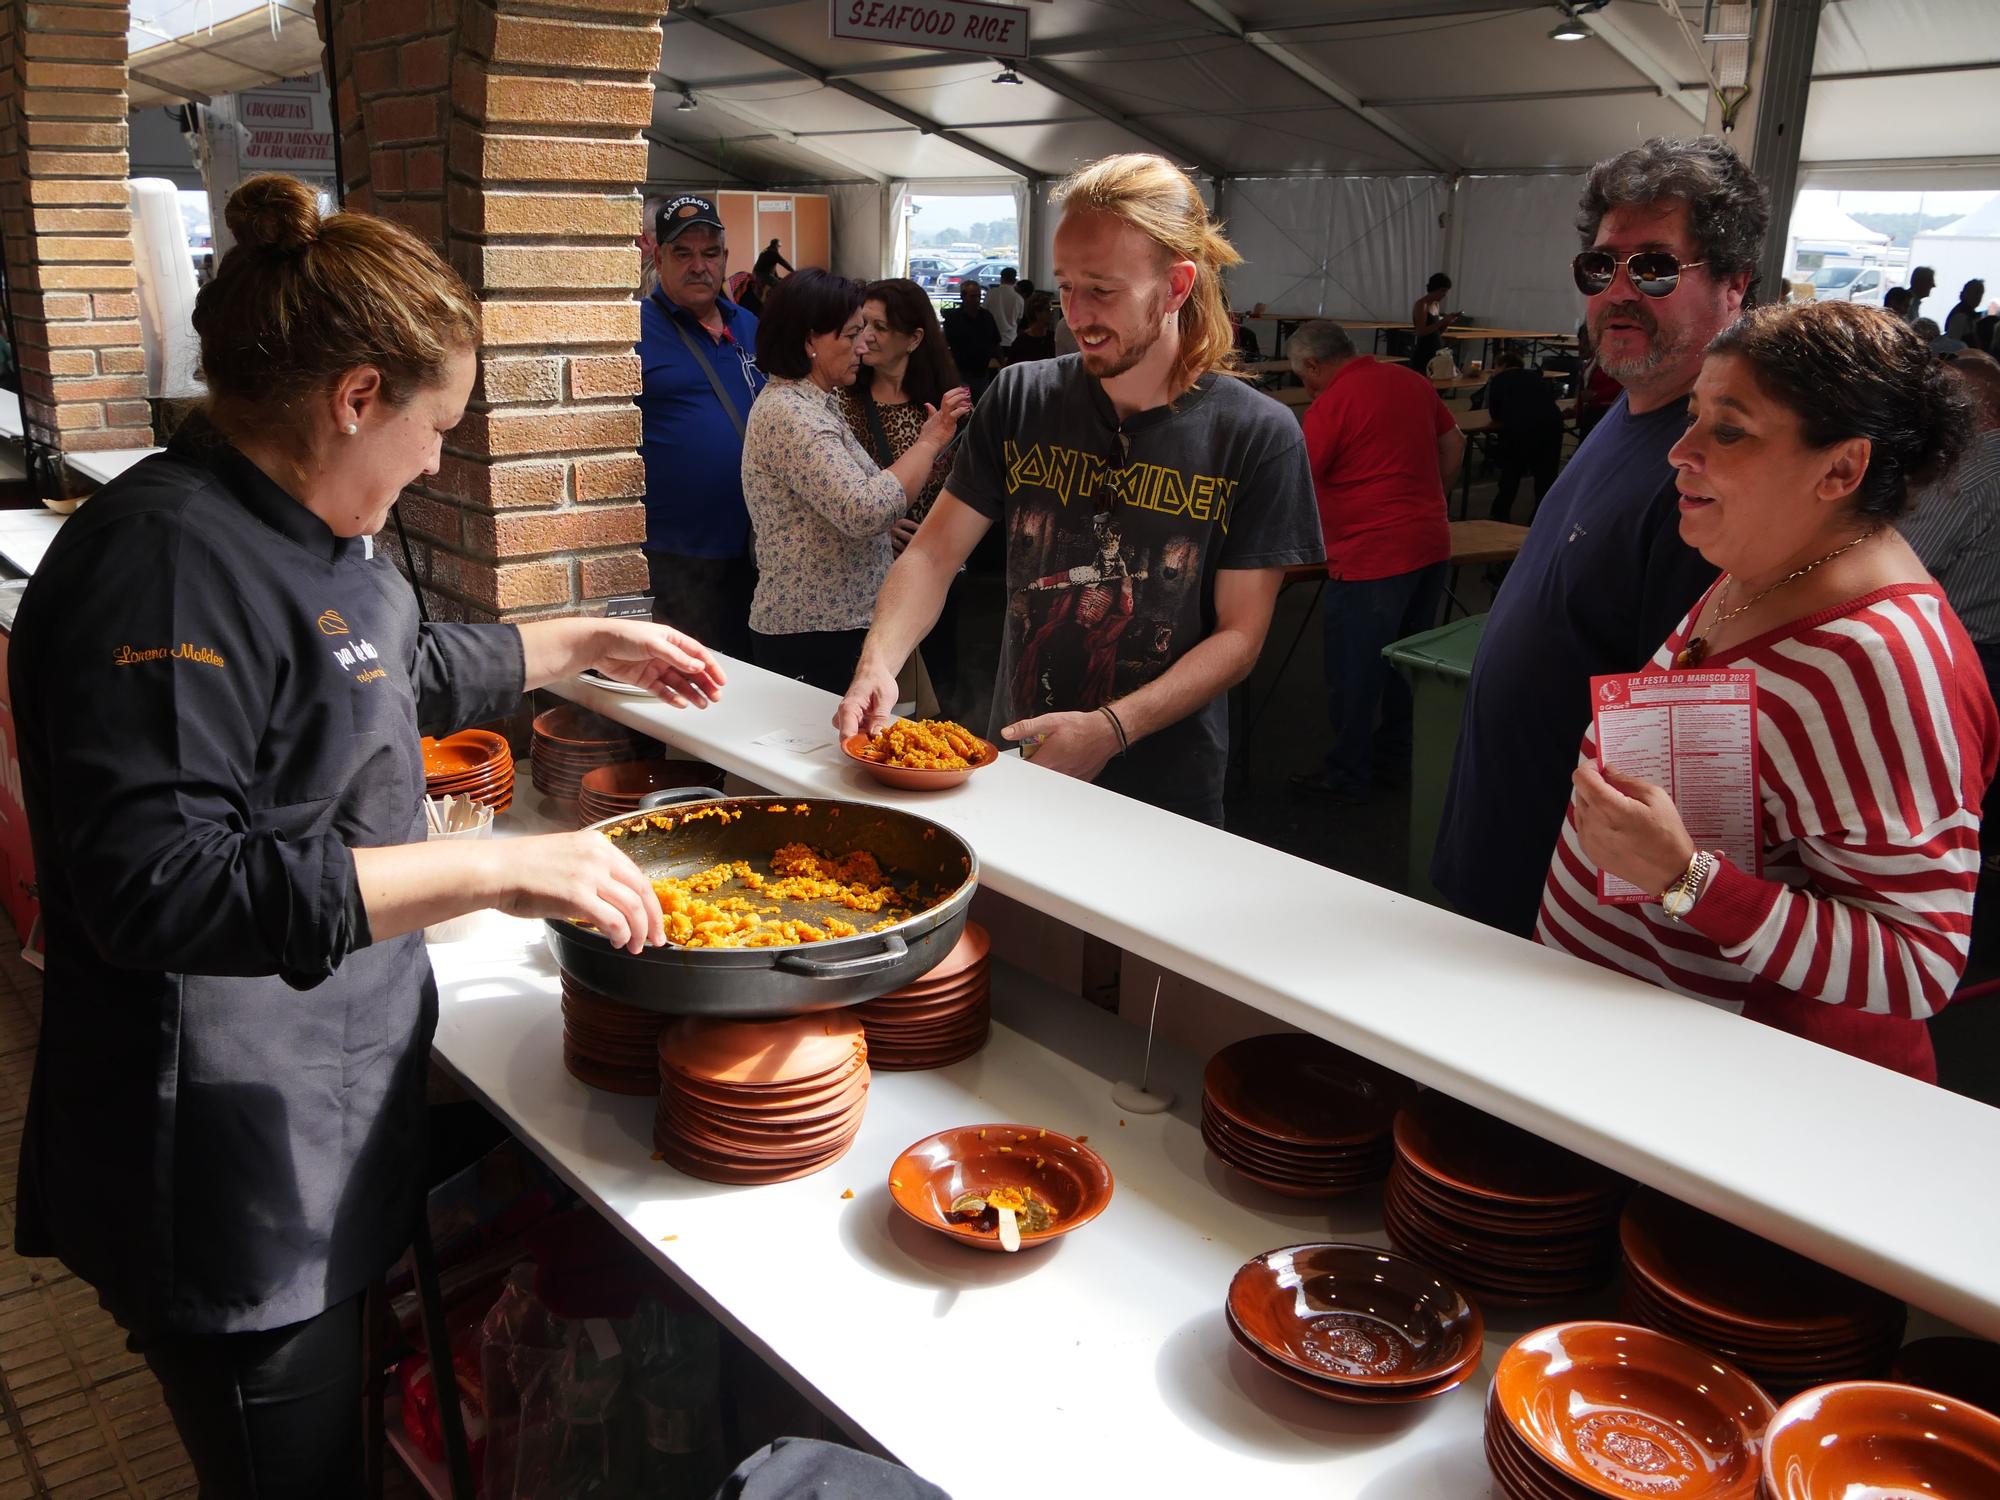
508, 134
67, 226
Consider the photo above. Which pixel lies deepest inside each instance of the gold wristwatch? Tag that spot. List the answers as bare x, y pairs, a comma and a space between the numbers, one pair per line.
1679, 898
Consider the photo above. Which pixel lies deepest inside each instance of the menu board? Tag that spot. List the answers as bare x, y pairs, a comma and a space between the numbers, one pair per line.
1694, 733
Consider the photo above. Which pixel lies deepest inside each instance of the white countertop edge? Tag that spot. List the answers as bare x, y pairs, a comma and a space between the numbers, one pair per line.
1841, 1160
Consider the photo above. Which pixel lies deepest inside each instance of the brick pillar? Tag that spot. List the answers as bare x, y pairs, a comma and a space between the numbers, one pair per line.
67, 224
509, 135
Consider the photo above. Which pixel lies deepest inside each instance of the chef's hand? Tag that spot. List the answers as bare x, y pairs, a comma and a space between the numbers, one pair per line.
586, 877
869, 705
901, 534
672, 665
1077, 745
1630, 828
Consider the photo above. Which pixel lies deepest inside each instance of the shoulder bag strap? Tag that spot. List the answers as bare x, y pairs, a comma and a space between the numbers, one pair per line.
878, 436
707, 366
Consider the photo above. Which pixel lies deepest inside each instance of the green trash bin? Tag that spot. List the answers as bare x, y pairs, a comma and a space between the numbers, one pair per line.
1437, 664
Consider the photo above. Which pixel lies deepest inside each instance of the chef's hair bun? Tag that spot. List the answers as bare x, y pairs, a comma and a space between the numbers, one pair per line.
274, 212
300, 299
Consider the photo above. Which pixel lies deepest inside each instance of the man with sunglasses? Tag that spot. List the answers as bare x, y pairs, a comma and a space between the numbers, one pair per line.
1150, 503
1671, 231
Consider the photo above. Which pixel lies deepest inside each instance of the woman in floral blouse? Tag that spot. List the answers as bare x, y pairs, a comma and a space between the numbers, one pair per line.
821, 508
906, 371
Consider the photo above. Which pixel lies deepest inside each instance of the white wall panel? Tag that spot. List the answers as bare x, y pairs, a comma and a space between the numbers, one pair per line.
1341, 247
1516, 237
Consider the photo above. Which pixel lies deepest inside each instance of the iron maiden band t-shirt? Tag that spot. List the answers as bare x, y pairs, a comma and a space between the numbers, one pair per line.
1114, 536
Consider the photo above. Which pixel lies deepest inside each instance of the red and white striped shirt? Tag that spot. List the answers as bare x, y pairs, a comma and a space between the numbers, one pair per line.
1876, 741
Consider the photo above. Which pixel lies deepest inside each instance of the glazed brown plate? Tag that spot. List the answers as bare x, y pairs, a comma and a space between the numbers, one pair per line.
1073, 1179
1870, 1440
1624, 1411
1355, 1314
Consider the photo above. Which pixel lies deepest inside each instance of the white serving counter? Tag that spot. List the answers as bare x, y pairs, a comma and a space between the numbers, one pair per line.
1868, 1171
25, 536
1104, 1356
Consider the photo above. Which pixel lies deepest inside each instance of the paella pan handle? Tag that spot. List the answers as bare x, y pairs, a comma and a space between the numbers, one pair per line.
893, 951
672, 795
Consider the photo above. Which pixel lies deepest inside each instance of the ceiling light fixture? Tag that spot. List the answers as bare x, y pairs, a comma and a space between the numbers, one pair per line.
1572, 28
687, 102
1007, 75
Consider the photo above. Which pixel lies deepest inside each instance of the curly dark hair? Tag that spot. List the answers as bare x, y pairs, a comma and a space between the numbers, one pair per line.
1727, 206
1848, 371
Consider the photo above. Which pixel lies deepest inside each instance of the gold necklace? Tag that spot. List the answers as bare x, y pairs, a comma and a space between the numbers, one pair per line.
1696, 650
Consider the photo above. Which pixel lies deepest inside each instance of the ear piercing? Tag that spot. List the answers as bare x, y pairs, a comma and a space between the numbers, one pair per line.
351, 428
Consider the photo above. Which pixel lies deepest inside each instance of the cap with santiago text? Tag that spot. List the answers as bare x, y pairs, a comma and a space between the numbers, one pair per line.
678, 215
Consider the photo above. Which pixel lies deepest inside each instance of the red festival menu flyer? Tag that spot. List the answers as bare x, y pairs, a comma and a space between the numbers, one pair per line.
1695, 734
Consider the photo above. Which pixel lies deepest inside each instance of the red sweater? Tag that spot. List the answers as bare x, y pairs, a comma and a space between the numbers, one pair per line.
1876, 741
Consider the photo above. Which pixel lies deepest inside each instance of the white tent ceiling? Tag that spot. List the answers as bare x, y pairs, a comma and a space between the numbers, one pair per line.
1260, 88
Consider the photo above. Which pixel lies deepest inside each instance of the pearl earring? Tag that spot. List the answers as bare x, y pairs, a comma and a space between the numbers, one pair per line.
351, 428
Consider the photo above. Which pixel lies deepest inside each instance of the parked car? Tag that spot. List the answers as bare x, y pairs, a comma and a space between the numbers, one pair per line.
926, 269
1863, 284
985, 272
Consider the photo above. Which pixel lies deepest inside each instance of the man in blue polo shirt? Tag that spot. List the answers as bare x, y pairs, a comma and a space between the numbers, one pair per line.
698, 352
1671, 231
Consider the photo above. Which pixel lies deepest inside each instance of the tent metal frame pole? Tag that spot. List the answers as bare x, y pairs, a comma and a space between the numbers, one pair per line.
1041, 73
1612, 30
1281, 52
740, 111
923, 124
1784, 82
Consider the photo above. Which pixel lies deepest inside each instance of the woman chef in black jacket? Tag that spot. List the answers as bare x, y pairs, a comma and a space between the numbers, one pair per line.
220, 688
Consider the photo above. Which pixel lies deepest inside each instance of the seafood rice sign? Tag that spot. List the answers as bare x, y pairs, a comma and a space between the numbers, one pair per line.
942, 25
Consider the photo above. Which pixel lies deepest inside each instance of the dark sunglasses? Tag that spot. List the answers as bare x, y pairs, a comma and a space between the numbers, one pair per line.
1654, 272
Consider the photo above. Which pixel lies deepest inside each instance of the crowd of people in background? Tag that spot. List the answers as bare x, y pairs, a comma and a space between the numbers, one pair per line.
1776, 489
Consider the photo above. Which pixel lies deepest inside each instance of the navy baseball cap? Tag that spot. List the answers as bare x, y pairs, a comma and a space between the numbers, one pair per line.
678, 215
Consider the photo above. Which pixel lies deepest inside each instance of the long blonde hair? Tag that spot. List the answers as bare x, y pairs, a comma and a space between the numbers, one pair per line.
1161, 201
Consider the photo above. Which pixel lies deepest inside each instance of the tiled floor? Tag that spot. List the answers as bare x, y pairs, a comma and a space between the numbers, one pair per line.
82, 1417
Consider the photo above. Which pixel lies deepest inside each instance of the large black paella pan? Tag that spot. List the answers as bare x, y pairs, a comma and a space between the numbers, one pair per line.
692, 831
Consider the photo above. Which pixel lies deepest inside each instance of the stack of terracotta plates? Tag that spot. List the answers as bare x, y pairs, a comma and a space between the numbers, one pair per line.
571, 741
942, 1018
1498, 1209
1789, 1321
609, 1045
760, 1101
473, 763
1299, 1115
1579, 1410
613, 791
1350, 1323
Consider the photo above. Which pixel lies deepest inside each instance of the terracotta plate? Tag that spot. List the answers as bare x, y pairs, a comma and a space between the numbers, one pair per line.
1626, 1412
929, 1175
1355, 1314
1346, 1394
1303, 1089
1478, 1154
788, 1051
1740, 1278
1866, 1439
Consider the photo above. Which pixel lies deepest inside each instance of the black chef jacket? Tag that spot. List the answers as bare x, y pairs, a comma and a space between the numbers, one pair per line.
217, 700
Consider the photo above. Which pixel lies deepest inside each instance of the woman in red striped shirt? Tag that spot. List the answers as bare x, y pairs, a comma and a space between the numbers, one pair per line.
1877, 737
